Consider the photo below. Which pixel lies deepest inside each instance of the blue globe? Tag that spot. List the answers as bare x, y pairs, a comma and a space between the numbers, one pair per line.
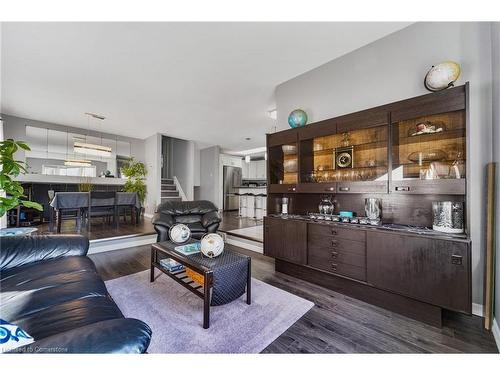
297, 118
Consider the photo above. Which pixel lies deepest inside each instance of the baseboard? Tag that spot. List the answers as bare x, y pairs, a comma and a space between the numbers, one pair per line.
244, 243
477, 309
116, 243
496, 332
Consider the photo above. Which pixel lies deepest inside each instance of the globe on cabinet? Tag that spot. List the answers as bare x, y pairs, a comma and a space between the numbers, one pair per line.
297, 118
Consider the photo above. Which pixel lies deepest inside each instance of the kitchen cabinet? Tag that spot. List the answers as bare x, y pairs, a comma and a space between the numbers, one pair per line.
285, 239
123, 148
254, 170
244, 170
261, 170
435, 271
57, 144
38, 142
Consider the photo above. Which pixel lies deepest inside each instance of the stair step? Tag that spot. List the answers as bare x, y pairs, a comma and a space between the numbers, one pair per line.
164, 199
170, 194
168, 187
167, 181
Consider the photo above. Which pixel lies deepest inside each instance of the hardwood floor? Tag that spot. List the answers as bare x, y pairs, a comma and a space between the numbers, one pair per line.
337, 323
231, 221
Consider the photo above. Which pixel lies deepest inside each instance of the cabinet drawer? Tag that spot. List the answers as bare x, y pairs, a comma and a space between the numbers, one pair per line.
282, 188
335, 231
319, 254
330, 187
357, 187
336, 267
337, 244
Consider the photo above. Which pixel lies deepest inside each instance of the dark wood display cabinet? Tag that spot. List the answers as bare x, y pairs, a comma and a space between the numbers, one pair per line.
409, 154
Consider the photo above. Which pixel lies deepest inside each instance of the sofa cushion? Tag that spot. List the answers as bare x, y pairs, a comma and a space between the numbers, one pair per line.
47, 287
67, 316
176, 208
196, 227
188, 219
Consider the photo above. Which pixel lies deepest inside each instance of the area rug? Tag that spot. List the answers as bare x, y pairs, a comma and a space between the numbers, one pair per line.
175, 315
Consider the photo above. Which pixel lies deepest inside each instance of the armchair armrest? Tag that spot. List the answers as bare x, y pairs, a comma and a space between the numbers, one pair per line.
22, 250
122, 335
165, 220
210, 218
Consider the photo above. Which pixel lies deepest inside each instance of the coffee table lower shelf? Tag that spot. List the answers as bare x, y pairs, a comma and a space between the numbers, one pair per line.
202, 291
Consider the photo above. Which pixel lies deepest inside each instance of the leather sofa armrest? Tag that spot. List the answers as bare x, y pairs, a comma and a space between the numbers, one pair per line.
22, 250
210, 218
165, 220
122, 335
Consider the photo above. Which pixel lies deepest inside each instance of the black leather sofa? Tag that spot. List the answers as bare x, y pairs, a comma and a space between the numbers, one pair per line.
200, 216
51, 289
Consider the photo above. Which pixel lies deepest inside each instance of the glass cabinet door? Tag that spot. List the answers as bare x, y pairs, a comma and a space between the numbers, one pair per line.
283, 164
429, 147
356, 155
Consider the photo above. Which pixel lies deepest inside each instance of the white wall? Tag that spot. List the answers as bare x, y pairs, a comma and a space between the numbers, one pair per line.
209, 174
153, 179
495, 43
183, 165
393, 68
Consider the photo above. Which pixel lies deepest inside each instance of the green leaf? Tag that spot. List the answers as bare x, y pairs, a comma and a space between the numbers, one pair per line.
24, 146
34, 205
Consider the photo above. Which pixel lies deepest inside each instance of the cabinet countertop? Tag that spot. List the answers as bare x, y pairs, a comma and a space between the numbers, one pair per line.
428, 234
49, 179
251, 187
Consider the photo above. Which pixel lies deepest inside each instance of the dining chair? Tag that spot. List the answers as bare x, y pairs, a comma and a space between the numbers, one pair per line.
102, 204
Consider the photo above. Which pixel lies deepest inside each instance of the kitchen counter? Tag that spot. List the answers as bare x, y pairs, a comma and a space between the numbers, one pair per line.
409, 230
251, 187
49, 179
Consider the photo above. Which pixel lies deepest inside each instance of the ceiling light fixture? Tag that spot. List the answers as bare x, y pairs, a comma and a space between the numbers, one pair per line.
89, 148
247, 159
78, 163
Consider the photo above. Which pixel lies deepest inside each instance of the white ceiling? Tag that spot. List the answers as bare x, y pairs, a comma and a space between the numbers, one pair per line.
208, 82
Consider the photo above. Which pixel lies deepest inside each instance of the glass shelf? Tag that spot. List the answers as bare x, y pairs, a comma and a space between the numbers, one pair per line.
427, 156
357, 155
283, 164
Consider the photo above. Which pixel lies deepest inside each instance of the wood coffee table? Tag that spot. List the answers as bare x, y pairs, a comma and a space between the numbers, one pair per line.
209, 268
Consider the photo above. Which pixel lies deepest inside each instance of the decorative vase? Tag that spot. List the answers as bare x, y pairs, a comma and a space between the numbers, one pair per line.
297, 118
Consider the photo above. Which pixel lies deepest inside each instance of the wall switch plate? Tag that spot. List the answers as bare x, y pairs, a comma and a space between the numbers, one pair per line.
456, 259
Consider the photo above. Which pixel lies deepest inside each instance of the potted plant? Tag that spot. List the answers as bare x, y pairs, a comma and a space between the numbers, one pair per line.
135, 172
12, 191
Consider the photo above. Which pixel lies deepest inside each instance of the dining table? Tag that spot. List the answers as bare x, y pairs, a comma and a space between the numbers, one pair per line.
80, 201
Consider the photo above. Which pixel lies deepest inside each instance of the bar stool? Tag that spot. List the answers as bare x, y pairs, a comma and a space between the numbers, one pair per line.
259, 206
243, 204
250, 211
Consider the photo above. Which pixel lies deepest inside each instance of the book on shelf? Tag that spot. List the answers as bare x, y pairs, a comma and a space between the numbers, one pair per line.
190, 248
171, 265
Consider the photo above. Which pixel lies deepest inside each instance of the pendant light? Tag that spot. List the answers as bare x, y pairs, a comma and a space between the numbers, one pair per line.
74, 162
89, 148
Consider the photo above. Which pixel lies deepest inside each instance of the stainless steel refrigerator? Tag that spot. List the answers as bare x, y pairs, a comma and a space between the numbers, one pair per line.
231, 182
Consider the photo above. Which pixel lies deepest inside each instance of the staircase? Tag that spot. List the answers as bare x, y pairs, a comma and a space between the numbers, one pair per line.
169, 190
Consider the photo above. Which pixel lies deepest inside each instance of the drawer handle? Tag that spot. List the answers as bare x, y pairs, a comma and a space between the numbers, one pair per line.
343, 188
334, 254
335, 242
291, 189
334, 231
334, 267
330, 189
402, 188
